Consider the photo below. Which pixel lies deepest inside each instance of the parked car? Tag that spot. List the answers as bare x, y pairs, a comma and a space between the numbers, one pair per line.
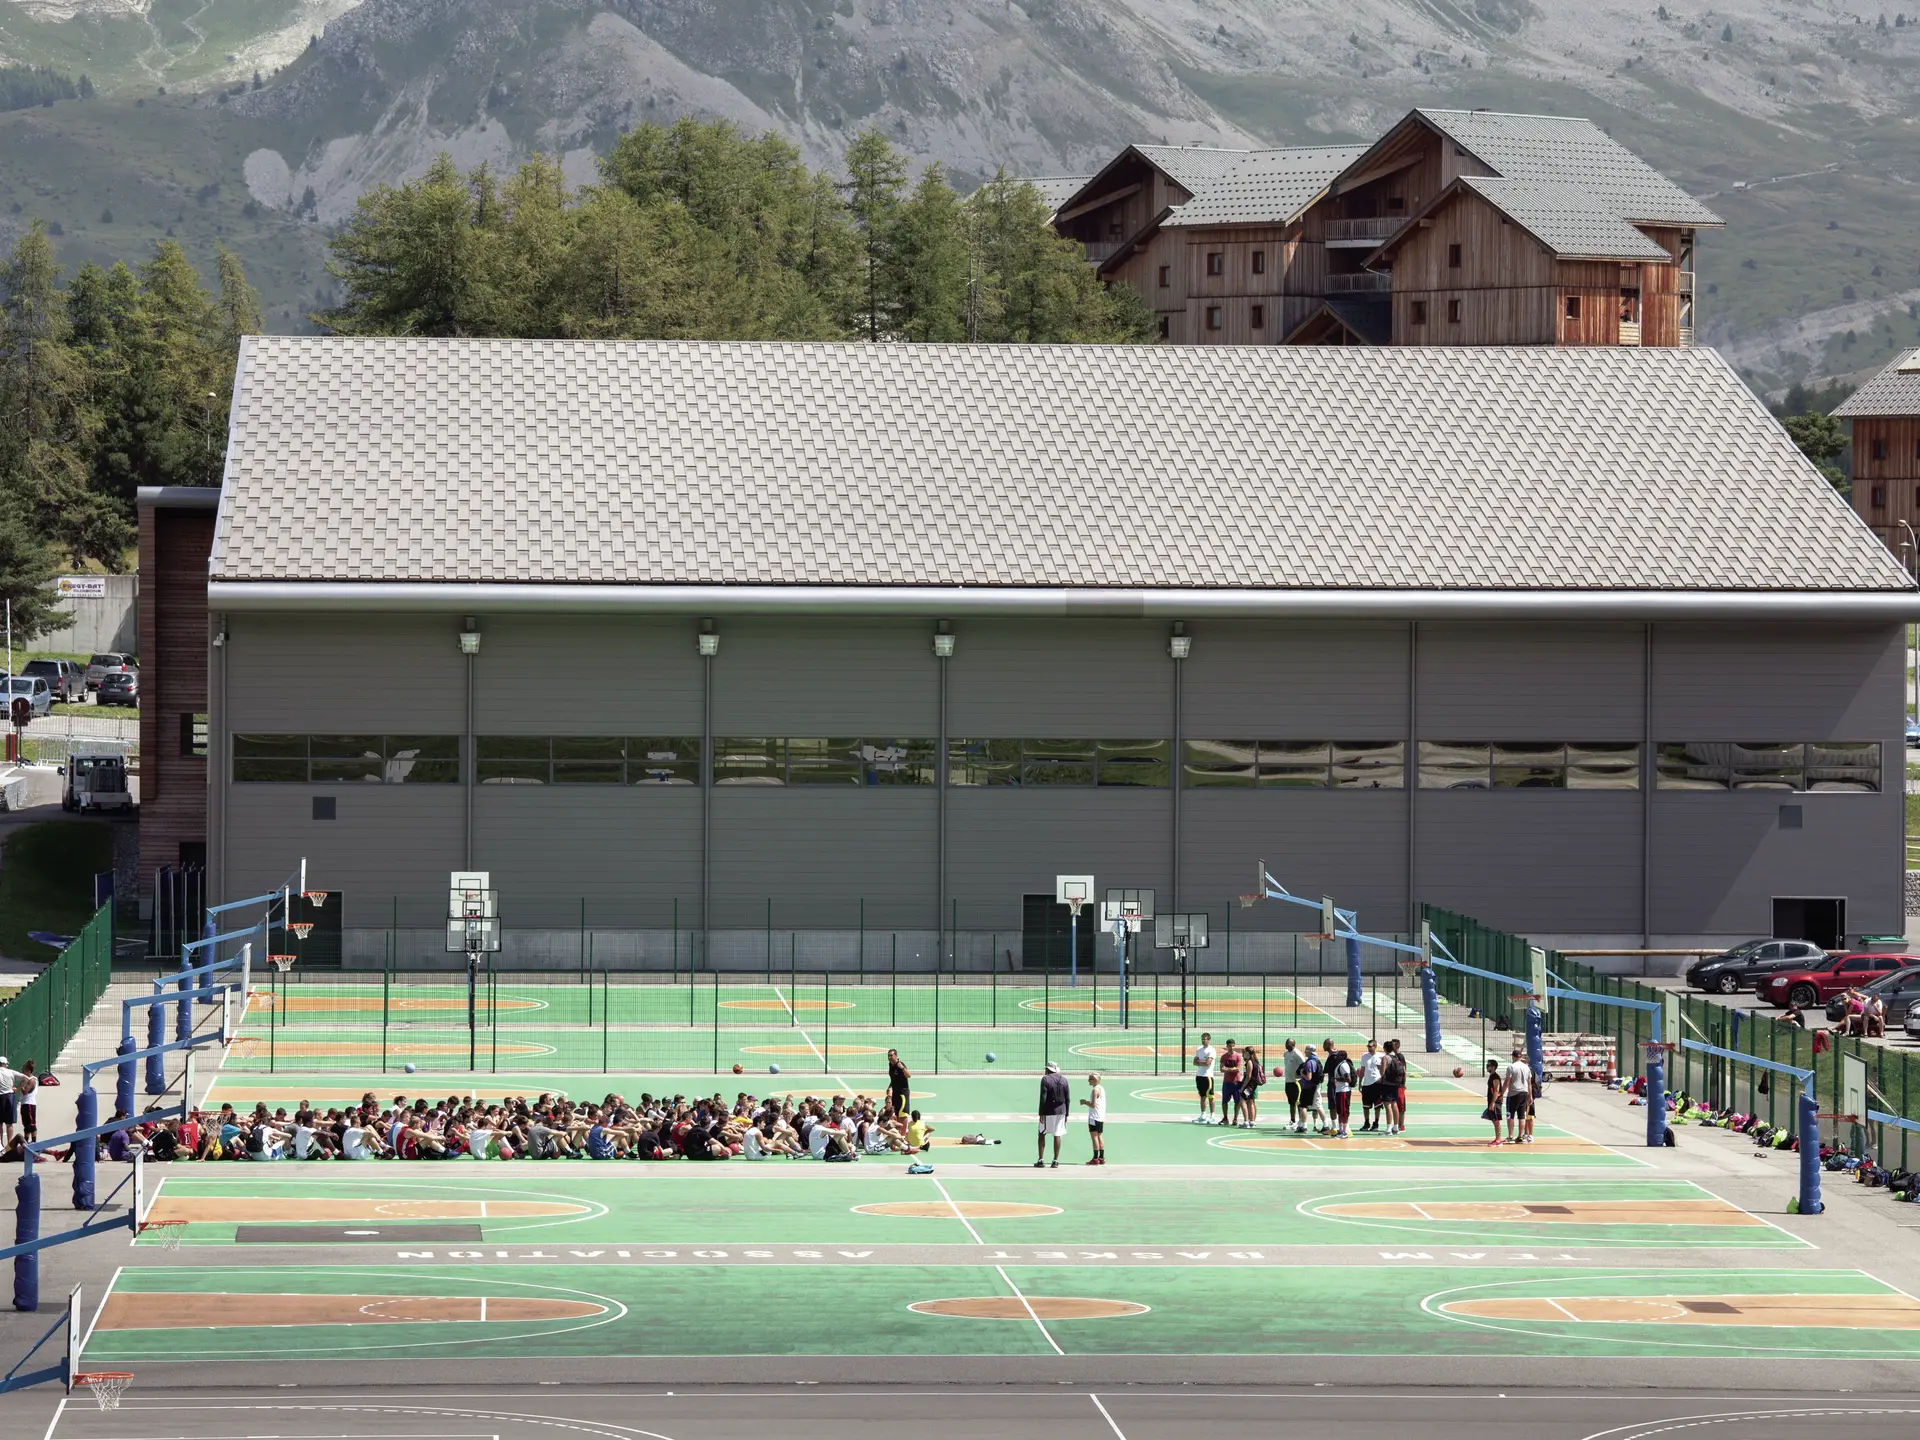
1749, 962
1913, 1022
1899, 990
67, 678
1913, 732
120, 687
34, 688
107, 663
95, 777
1820, 983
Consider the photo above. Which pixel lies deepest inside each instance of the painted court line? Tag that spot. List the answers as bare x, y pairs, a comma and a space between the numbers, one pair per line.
1028, 1306
959, 1215
1105, 1416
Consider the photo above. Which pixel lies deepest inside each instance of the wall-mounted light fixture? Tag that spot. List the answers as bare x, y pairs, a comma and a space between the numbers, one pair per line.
709, 639
470, 636
1179, 644
943, 640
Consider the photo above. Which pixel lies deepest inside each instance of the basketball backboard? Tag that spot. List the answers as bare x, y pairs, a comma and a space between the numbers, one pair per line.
1129, 905
479, 934
1180, 932
1073, 891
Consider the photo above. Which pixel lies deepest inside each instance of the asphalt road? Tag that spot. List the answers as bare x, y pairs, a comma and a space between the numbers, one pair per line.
1059, 1412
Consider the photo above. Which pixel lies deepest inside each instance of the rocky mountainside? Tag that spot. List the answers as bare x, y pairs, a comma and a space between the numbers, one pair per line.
1797, 117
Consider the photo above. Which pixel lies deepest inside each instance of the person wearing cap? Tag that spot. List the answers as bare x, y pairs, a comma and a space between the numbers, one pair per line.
8, 1113
1519, 1092
1055, 1100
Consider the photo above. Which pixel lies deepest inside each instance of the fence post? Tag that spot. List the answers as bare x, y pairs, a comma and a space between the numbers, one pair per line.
716, 1015
606, 1021
895, 988
826, 1012
863, 939
769, 942
386, 997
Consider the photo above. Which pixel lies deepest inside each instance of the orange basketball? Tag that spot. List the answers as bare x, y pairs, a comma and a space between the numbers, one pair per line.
1458, 1071
736, 1070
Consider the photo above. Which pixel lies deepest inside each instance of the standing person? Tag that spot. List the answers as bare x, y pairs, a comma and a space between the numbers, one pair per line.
1393, 1079
1310, 1077
8, 1111
1519, 1088
1231, 1065
1096, 1103
1290, 1073
1339, 1090
1372, 1102
1204, 1060
1496, 1087
1255, 1077
899, 1084
1054, 1098
25, 1083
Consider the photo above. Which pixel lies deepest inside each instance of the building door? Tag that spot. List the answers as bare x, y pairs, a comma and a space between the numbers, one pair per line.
1046, 934
1820, 920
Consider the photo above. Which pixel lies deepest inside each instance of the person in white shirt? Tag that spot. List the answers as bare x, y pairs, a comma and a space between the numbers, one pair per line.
1204, 1060
7, 1109
1096, 1104
353, 1144
1519, 1088
1372, 1104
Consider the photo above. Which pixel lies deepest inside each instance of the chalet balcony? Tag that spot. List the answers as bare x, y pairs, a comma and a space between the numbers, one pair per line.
1364, 282
1099, 250
1363, 234
1685, 279
1629, 332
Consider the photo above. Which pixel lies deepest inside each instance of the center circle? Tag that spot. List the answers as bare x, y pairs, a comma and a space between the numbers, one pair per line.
968, 1209
1033, 1307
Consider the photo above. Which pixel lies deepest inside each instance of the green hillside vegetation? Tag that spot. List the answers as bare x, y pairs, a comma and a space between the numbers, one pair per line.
22, 86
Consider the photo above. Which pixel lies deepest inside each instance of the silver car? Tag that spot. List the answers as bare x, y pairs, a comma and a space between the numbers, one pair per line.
99, 665
34, 689
1913, 1021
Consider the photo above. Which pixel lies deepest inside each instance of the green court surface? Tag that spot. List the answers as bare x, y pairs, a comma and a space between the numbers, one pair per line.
819, 1024
246, 1312
804, 1204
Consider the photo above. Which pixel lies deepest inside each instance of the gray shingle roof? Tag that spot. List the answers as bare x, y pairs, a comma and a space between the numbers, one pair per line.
1267, 467
1267, 186
1894, 391
1194, 166
1563, 148
1056, 190
1566, 219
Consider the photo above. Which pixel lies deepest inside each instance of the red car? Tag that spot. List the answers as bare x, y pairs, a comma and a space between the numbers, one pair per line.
1820, 983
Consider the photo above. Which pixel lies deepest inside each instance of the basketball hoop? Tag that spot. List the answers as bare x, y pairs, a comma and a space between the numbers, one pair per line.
301, 929
107, 1386
1247, 902
316, 898
1524, 999
1656, 1050
1411, 966
282, 963
167, 1234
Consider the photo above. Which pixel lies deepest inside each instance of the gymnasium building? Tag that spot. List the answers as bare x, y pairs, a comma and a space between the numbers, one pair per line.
840, 653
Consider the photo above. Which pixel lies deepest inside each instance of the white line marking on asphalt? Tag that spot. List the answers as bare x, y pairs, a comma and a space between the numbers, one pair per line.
1105, 1416
1031, 1314
957, 1213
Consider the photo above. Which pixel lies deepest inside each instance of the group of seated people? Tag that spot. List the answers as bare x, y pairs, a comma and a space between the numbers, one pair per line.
1862, 1014
547, 1127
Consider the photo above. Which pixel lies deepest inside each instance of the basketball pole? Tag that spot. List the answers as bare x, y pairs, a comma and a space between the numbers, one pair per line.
473, 1029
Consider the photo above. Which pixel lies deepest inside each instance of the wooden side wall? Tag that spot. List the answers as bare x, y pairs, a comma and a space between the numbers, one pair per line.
174, 545
1894, 477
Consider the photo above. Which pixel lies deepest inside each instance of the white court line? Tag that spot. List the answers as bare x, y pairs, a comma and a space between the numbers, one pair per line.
805, 1036
957, 1213
1558, 1306
54, 1423
1105, 1416
483, 1309
1029, 1309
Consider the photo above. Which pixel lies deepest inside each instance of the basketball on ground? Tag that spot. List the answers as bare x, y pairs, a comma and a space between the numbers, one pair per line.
408, 1067
736, 1069
1458, 1071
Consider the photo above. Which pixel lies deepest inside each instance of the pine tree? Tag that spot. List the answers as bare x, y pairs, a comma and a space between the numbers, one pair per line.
876, 174
930, 262
27, 571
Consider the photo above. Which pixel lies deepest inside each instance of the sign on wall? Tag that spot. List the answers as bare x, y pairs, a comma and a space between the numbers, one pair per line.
81, 587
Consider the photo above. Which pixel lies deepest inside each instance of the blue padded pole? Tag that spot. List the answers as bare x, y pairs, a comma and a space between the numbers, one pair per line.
85, 1152
26, 1229
183, 1012
156, 1063
1430, 1002
1354, 996
1807, 1202
123, 1078
1656, 1103
1536, 1045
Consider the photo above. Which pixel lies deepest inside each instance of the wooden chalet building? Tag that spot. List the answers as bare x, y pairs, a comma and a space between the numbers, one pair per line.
1456, 227
1884, 417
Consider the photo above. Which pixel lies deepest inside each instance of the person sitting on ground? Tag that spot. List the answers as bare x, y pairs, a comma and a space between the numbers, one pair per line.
919, 1134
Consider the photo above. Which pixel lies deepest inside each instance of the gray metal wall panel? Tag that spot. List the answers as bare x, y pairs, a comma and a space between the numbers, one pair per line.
333, 674
1072, 678
1007, 843
629, 850
1279, 681
1346, 843
816, 853
826, 678
1531, 682
1719, 860
586, 675
1777, 682
386, 840
1532, 860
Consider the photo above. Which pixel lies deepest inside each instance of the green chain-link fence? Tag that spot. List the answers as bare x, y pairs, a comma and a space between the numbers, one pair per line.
41, 1018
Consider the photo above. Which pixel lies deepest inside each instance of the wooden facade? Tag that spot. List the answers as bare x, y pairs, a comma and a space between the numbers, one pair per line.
1448, 264
1886, 477
176, 537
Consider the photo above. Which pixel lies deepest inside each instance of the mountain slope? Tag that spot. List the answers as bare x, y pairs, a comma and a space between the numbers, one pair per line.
1798, 119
